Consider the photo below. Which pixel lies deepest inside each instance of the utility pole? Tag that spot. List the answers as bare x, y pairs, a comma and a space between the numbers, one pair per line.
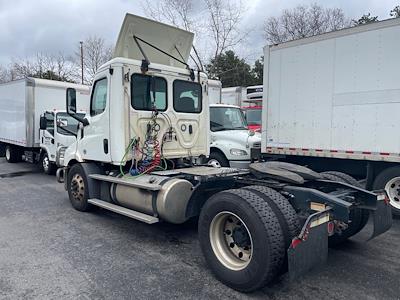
81, 60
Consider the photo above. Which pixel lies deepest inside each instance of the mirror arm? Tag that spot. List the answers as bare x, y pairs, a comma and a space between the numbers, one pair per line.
84, 121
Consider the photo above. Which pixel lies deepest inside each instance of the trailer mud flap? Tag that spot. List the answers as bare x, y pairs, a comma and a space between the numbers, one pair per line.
382, 218
310, 248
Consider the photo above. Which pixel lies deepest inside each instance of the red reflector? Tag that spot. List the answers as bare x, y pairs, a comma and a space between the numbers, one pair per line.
334, 151
295, 242
366, 152
331, 227
384, 153
349, 151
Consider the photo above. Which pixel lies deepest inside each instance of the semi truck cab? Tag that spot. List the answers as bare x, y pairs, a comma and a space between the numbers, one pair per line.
140, 153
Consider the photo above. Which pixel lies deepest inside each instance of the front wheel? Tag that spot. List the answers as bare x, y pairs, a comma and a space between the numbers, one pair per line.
217, 160
77, 186
241, 239
49, 168
389, 180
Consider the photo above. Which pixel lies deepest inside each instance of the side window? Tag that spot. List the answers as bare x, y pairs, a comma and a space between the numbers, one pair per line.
187, 96
146, 90
99, 97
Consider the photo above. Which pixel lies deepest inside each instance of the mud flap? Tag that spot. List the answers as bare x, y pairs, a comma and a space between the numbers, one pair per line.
310, 249
382, 218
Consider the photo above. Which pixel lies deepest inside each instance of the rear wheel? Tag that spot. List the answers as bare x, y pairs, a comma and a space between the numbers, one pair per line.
358, 217
241, 239
389, 180
13, 154
77, 186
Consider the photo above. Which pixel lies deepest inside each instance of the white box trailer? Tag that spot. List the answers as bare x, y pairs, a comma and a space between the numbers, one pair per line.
214, 91
233, 95
22, 102
333, 100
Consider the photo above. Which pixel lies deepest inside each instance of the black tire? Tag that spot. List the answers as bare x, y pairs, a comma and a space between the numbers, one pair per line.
13, 154
48, 167
359, 217
283, 209
266, 235
382, 179
78, 196
346, 178
223, 162
2, 150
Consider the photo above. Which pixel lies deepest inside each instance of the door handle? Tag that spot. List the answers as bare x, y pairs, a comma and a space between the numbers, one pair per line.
105, 146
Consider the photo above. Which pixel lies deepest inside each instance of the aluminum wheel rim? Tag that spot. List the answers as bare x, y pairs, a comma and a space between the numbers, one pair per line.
223, 229
45, 163
8, 154
214, 163
78, 188
392, 189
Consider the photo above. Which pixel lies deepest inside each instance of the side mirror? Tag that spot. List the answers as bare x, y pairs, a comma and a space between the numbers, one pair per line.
71, 106
43, 123
71, 101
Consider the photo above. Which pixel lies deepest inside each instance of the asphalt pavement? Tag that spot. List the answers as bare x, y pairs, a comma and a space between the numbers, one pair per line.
48, 250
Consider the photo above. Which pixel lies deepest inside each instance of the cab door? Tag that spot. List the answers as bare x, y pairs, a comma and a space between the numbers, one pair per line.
95, 144
47, 141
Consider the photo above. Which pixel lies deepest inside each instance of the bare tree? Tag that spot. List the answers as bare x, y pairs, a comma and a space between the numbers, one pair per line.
224, 23
43, 65
179, 13
5, 74
218, 19
303, 21
395, 12
95, 53
365, 19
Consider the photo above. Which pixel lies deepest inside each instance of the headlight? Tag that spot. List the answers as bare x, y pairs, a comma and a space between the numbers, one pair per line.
60, 156
61, 152
238, 152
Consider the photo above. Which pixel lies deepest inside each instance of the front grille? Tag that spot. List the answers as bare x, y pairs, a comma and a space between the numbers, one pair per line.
257, 145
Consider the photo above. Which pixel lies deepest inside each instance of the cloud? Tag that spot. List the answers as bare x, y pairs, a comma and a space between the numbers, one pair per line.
52, 26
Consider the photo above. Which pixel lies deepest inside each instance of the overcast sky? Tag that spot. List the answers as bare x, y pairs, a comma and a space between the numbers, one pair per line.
51, 26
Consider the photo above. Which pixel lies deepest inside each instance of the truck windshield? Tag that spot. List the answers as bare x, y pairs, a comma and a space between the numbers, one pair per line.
253, 116
226, 118
67, 125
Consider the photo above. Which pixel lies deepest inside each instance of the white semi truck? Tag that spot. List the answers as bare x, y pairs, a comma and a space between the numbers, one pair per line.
231, 139
139, 153
332, 103
33, 126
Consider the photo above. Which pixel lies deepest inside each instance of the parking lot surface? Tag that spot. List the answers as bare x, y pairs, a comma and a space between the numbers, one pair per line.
49, 250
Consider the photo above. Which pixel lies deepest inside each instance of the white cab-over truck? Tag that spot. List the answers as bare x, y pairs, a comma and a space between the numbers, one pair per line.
139, 153
33, 123
231, 140
332, 103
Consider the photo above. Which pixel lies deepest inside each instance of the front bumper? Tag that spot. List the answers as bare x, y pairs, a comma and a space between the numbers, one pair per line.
239, 164
255, 154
